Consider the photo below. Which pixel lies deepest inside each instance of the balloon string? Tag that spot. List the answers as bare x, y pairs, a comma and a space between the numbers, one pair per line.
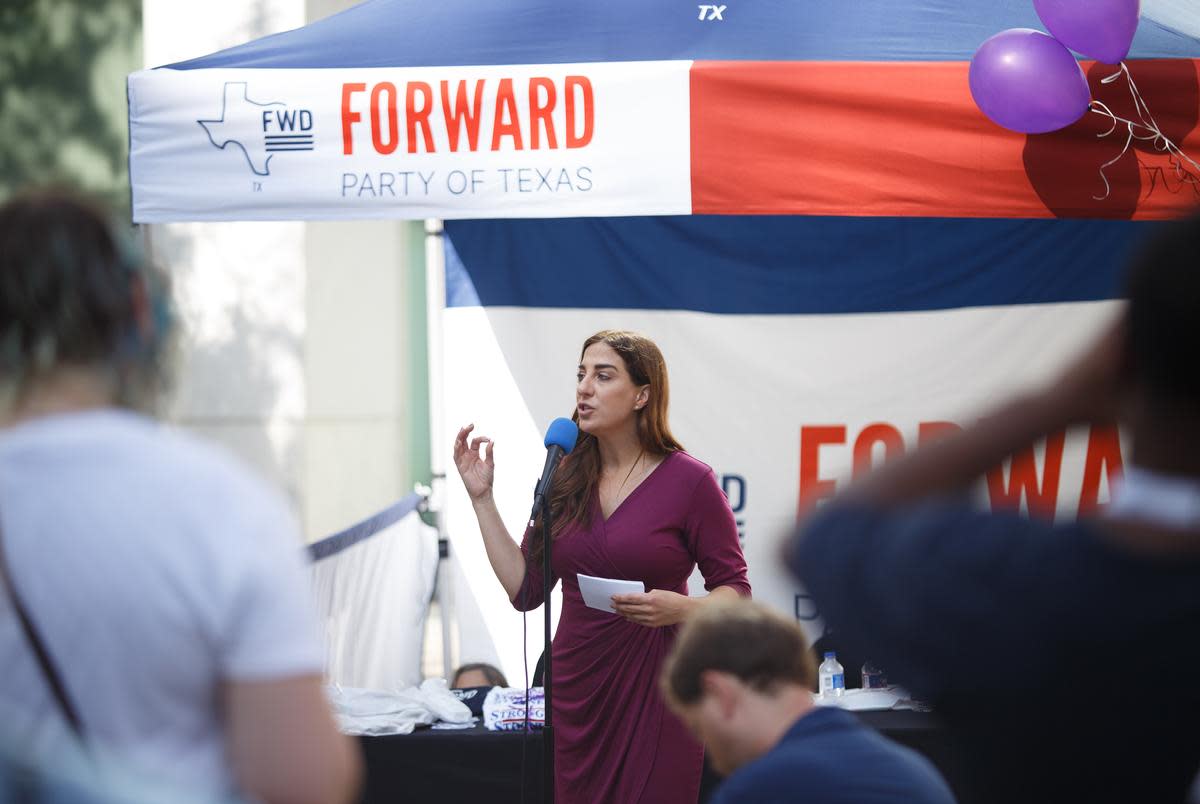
1140, 106
1162, 143
1145, 122
1100, 108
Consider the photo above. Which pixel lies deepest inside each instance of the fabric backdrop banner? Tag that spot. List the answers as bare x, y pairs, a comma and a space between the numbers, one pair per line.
796, 362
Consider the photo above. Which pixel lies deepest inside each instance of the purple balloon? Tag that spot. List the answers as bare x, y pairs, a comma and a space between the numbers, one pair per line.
1099, 29
1027, 81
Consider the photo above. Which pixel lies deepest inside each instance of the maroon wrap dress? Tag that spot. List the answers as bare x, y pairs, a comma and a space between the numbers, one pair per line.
615, 740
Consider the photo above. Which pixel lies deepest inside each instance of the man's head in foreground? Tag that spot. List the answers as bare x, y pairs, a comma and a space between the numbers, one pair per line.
739, 677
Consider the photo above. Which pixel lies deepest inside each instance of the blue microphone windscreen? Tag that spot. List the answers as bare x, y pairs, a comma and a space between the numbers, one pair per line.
562, 432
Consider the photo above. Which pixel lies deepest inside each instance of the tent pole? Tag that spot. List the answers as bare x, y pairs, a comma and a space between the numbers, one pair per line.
435, 304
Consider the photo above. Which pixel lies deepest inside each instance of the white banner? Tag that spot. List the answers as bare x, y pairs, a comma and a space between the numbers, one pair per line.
556, 140
775, 404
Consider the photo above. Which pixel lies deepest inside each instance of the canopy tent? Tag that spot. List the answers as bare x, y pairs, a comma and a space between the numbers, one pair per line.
843, 256
536, 109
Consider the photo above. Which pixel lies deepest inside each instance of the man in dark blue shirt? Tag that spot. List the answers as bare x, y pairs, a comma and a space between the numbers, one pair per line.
1061, 655
740, 677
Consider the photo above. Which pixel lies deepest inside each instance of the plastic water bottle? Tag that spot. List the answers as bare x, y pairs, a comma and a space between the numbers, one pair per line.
833, 677
872, 677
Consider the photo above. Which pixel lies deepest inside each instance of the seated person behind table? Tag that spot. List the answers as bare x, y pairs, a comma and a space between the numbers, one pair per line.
739, 676
478, 674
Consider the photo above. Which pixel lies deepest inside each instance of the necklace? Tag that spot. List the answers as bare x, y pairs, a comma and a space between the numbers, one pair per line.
628, 475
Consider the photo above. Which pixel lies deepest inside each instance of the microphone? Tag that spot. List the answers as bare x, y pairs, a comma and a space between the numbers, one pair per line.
560, 439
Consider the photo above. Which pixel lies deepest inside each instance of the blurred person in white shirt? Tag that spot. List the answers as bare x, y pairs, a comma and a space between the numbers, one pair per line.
165, 580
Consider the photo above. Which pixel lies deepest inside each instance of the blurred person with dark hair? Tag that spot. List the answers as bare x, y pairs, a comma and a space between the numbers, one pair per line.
741, 677
1060, 654
164, 582
478, 674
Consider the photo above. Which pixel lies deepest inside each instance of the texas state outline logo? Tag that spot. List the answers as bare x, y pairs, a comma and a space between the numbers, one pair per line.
260, 130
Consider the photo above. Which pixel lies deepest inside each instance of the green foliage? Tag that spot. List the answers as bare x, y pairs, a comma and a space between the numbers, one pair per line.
63, 111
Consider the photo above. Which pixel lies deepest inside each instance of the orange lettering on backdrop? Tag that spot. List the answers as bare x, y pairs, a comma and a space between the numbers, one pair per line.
864, 446
349, 118
506, 102
539, 113
419, 117
1041, 498
587, 114
812, 487
462, 115
1103, 453
393, 123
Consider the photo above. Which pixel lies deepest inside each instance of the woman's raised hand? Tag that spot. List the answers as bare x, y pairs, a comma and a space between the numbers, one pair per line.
477, 471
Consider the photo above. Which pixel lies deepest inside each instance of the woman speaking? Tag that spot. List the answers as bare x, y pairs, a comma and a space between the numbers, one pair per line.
628, 503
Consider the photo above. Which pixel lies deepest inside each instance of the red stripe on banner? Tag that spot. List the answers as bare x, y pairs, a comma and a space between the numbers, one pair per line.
906, 139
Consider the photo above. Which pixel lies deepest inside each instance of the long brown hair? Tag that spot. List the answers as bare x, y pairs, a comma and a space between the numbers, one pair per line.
580, 471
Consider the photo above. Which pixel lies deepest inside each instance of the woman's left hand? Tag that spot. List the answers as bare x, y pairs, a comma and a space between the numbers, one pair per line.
654, 609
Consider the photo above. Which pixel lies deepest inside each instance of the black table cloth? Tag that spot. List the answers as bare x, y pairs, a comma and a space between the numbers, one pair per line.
475, 766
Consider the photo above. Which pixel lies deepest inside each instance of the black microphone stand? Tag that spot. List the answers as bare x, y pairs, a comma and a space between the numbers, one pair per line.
541, 504
547, 663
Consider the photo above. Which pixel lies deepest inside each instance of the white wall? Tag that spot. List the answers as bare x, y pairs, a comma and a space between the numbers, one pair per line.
293, 352
357, 371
